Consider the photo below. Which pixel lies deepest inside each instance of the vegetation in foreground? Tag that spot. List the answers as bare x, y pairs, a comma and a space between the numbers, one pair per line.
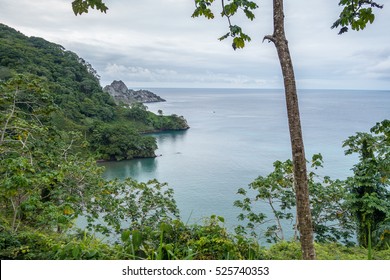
39, 209
206, 242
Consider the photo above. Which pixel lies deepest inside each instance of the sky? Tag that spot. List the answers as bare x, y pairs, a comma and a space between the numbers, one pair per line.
156, 43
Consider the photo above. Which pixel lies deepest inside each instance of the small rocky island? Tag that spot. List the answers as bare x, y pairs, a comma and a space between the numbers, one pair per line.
121, 94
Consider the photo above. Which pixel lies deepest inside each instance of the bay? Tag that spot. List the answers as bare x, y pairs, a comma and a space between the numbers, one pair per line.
236, 135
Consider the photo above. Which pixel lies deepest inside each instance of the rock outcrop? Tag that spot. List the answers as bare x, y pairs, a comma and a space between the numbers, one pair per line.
119, 91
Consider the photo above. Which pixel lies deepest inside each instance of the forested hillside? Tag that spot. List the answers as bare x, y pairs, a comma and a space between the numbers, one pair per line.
113, 131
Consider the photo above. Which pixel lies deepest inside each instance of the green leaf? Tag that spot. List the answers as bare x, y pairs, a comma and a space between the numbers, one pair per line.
76, 252
238, 43
250, 15
125, 236
164, 227
221, 219
136, 238
224, 36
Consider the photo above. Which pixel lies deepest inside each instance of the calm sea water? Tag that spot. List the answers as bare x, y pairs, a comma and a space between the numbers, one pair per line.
236, 135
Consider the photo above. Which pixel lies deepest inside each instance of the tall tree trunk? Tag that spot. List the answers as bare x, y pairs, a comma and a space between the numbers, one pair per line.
298, 151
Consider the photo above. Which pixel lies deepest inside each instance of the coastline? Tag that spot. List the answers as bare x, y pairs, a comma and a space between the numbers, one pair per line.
147, 133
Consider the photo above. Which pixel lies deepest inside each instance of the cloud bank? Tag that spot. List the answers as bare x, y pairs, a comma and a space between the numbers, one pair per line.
154, 43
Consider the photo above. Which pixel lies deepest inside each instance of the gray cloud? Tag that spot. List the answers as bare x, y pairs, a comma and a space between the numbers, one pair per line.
153, 43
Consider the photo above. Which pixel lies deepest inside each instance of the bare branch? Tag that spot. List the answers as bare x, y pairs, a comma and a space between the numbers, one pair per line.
224, 13
270, 38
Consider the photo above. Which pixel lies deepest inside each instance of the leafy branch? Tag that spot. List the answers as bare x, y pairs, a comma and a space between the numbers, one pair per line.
82, 6
202, 8
356, 14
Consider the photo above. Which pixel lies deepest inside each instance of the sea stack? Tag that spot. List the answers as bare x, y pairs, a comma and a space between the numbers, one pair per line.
121, 94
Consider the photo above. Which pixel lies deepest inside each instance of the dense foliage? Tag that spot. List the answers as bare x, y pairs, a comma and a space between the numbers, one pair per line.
114, 132
341, 210
332, 220
369, 193
168, 242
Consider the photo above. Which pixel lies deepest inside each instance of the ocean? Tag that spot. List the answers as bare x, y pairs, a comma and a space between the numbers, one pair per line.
237, 134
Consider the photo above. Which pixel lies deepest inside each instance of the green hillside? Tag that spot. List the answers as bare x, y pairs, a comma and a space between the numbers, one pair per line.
113, 132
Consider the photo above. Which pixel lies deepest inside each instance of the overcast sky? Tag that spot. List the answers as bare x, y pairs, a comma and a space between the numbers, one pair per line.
156, 43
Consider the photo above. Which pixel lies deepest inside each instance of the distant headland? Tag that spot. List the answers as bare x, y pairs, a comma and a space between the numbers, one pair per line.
121, 94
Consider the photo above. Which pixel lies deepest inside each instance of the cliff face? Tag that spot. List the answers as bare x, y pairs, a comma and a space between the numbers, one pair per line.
119, 91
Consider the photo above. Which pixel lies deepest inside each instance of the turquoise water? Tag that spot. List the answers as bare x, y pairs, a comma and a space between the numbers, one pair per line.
236, 135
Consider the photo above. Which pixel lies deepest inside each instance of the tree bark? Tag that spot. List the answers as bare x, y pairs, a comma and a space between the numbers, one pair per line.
298, 152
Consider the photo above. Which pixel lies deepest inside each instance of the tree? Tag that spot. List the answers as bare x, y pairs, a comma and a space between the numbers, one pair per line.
331, 218
356, 15
357, 18
369, 187
298, 152
121, 141
128, 204
44, 184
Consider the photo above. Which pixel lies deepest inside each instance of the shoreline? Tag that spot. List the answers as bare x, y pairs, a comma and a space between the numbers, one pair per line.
163, 130
146, 133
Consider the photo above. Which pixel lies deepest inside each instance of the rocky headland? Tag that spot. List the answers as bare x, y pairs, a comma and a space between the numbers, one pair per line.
121, 94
